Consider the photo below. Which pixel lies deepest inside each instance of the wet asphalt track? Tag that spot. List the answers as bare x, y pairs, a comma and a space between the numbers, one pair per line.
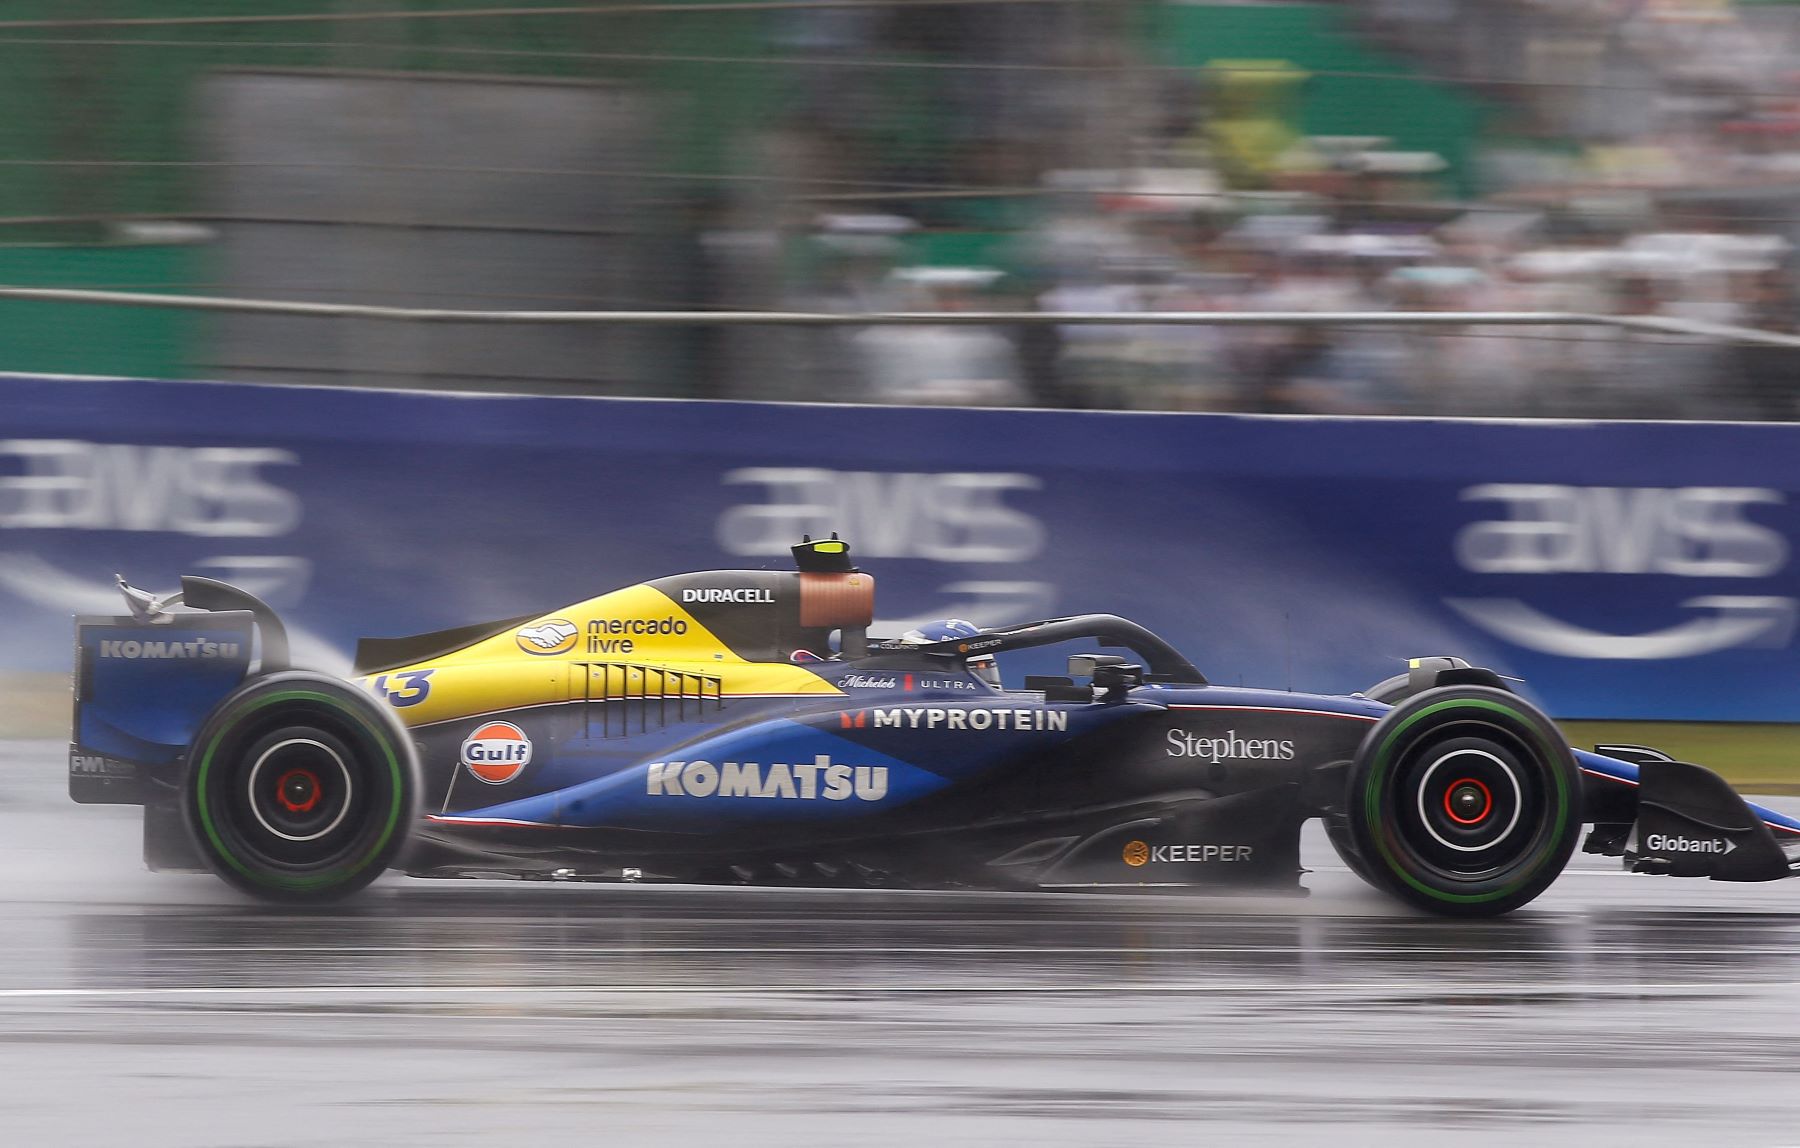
145, 1010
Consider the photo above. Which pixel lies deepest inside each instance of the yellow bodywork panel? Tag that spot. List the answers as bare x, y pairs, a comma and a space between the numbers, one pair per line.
635, 640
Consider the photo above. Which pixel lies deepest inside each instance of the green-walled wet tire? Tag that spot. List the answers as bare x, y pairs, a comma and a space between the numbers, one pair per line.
1463, 801
300, 788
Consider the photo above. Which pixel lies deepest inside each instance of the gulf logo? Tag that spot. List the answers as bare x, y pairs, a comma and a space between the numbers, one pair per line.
497, 752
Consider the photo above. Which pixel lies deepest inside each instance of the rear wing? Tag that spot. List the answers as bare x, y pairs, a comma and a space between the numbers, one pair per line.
144, 683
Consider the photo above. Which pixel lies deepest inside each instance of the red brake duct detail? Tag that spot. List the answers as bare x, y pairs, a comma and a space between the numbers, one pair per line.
1487, 802
311, 784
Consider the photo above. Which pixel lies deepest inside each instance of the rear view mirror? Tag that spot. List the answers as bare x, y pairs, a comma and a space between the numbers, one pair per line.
1117, 681
1084, 665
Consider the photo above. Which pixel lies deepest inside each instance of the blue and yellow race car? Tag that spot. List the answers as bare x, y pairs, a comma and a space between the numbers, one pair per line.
744, 727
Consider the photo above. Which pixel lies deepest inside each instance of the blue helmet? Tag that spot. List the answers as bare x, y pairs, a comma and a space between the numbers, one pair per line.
942, 630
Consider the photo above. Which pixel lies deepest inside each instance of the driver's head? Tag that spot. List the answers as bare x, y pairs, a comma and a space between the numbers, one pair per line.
986, 668
982, 666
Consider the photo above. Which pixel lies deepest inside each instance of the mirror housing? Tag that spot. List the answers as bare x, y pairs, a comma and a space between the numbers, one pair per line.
1088, 665
1117, 679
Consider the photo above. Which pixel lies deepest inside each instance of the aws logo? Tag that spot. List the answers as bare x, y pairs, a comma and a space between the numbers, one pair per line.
557, 636
1684, 532
956, 517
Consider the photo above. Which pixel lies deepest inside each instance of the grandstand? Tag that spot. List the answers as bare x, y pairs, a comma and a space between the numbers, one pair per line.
992, 155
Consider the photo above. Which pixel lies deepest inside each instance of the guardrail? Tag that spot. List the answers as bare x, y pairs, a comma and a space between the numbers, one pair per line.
1648, 324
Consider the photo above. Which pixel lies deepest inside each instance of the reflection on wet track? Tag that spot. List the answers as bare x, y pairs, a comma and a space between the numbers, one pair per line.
163, 1010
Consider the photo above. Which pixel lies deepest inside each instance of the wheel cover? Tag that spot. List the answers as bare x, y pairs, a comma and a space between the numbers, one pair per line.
300, 789
1457, 807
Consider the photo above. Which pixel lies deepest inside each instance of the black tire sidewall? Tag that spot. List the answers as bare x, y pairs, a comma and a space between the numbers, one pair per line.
215, 795
1455, 715
1337, 831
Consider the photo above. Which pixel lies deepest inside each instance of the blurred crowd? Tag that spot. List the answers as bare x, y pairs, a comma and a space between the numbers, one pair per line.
1681, 214
1101, 253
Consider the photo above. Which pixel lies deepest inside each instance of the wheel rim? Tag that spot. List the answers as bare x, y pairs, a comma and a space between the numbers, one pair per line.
300, 789
298, 797
1468, 799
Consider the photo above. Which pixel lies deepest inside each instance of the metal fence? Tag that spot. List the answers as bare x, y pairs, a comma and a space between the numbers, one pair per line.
977, 358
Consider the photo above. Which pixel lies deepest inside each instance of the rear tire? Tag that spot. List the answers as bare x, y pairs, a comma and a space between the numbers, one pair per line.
300, 788
1463, 801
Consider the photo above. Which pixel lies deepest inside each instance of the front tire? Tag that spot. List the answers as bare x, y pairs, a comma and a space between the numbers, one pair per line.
1337, 831
1464, 801
300, 788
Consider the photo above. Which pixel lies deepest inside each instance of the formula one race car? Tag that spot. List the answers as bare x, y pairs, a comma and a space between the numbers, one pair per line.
704, 728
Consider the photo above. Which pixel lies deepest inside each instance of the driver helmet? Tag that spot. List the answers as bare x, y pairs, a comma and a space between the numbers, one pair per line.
982, 665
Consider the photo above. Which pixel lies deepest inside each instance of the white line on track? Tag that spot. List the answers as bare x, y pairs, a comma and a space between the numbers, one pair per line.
1409, 988
575, 950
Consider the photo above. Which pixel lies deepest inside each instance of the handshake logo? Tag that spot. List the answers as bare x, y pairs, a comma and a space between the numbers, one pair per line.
552, 637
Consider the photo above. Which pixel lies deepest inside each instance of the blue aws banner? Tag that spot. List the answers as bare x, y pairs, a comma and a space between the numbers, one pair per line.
1623, 570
